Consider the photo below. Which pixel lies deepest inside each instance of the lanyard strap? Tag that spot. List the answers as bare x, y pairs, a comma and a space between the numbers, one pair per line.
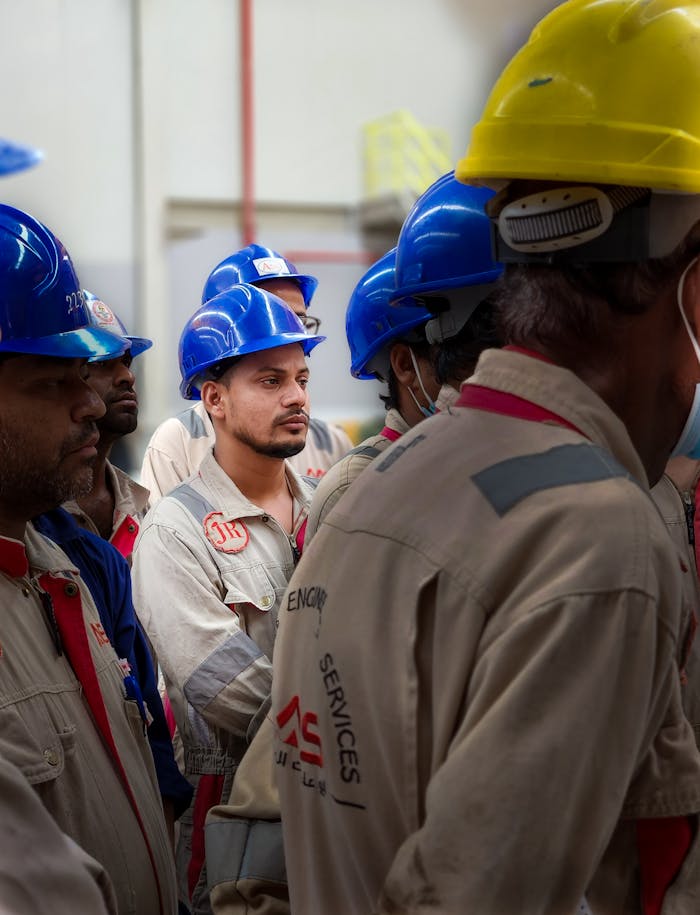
68, 613
491, 401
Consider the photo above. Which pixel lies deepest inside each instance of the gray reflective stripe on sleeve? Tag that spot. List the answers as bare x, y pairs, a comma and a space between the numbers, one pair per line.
193, 423
195, 504
312, 482
219, 669
365, 451
240, 849
321, 435
511, 481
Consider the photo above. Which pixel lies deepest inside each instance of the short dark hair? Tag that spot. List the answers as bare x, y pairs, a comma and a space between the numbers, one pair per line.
218, 370
564, 304
455, 359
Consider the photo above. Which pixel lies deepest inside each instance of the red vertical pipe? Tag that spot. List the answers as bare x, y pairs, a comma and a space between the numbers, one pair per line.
249, 231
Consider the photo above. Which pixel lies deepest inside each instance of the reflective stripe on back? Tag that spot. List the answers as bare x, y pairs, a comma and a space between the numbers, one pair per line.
365, 451
193, 423
195, 503
509, 482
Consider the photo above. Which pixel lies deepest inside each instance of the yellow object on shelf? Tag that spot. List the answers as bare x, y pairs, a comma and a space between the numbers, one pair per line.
402, 156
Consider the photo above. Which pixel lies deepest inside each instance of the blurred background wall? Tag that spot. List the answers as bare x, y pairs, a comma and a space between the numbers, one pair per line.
175, 131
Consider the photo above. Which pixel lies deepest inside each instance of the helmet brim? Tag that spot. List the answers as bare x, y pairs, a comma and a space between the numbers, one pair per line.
83, 343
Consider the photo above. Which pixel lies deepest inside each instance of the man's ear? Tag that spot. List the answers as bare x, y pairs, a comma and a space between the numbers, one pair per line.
210, 392
401, 364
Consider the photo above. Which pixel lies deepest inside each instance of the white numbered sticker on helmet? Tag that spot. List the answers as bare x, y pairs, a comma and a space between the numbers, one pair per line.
270, 266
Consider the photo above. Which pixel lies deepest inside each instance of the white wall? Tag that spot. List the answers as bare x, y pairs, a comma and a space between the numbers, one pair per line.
136, 102
322, 69
66, 73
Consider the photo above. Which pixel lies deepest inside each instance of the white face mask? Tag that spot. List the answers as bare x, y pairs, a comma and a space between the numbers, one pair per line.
689, 443
431, 408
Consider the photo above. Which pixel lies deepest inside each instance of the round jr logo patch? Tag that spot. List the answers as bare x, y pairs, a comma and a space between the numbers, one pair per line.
225, 536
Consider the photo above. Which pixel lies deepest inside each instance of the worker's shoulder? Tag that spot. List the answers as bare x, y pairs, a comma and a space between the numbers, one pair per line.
192, 423
328, 437
186, 504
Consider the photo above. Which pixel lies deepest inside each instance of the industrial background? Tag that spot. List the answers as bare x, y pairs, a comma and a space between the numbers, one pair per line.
175, 131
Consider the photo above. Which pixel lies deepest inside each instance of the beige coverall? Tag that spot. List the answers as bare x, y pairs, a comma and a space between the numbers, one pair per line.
130, 504
210, 569
49, 732
476, 686
179, 444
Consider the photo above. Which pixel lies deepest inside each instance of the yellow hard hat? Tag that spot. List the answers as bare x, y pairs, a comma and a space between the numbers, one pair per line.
605, 91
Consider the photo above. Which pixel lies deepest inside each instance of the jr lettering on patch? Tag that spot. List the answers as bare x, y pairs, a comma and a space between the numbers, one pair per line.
225, 535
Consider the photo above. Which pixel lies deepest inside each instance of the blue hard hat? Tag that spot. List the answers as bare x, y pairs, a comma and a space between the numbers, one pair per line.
243, 319
444, 246
254, 265
372, 324
101, 315
42, 307
15, 158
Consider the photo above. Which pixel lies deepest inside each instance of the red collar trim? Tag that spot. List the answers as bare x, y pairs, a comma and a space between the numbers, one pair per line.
13, 557
481, 398
390, 434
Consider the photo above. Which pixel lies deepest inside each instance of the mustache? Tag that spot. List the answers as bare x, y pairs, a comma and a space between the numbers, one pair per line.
85, 436
293, 414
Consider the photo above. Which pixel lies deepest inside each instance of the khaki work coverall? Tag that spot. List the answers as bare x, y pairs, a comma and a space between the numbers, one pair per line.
179, 445
336, 481
673, 505
476, 686
210, 569
130, 504
49, 734
42, 870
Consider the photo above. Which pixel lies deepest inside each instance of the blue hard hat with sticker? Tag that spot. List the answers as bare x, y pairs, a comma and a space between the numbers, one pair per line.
42, 305
244, 319
102, 316
254, 265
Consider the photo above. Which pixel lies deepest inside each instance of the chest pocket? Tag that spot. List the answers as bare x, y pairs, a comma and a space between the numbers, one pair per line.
249, 586
33, 743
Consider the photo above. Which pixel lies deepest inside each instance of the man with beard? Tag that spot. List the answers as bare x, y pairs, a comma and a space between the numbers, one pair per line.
215, 554
178, 445
66, 720
58, 876
115, 505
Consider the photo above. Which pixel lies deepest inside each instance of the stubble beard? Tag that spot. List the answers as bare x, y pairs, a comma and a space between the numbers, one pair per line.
25, 484
280, 450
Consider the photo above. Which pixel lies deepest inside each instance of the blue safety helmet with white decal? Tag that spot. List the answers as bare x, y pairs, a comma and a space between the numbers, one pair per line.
443, 255
101, 315
42, 306
15, 157
244, 319
372, 324
254, 265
